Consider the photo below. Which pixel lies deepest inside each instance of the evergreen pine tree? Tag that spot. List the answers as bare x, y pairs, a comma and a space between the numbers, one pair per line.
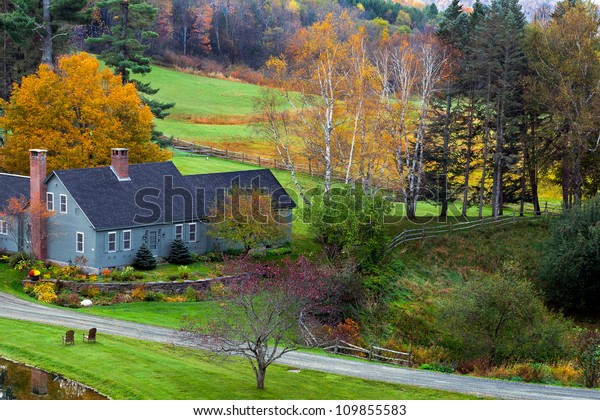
180, 254
144, 260
126, 44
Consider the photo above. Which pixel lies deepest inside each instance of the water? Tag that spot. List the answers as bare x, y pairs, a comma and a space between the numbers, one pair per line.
21, 382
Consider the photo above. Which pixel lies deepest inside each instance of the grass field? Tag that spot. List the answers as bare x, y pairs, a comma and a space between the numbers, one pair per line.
130, 369
209, 111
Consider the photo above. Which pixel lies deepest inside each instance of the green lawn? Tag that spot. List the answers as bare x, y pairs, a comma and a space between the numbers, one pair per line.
123, 368
161, 314
221, 136
202, 96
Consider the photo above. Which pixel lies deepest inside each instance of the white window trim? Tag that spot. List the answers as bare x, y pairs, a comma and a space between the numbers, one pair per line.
108, 242
190, 232
49, 201
60, 204
181, 234
82, 242
3, 227
127, 248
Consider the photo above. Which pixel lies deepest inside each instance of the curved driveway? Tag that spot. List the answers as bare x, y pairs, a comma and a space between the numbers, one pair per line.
12, 307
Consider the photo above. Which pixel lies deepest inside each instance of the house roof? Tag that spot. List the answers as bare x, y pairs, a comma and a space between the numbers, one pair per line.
145, 199
12, 186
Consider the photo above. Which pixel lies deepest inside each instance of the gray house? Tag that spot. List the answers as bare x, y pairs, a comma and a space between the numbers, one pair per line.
101, 216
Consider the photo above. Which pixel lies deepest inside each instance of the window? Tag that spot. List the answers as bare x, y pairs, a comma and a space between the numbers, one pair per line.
179, 232
79, 242
63, 203
112, 241
192, 232
50, 201
126, 240
3, 227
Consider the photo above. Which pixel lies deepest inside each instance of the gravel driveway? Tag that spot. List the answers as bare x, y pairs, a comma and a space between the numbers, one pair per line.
12, 307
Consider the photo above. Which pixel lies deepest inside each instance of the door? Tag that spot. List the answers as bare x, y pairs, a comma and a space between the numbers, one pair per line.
153, 242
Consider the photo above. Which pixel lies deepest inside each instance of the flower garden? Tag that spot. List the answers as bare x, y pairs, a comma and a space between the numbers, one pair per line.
53, 284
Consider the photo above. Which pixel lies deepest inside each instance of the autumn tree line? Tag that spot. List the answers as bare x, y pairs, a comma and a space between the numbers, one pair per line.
477, 111
466, 106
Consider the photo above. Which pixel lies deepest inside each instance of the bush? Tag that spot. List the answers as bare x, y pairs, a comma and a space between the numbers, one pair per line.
17, 258
436, 367
121, 298
139, 293
588, 356
69, 300
90, 292
154, 297
502, 318
179, 254
190, 294
184, 272
127, 274
571, 265
144, 260
209, 257
45, 292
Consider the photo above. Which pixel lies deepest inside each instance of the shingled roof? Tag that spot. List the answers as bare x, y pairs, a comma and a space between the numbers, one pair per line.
112, 204
12, 186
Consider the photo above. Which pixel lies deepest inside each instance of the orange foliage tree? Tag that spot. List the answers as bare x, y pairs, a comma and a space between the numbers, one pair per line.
78, 113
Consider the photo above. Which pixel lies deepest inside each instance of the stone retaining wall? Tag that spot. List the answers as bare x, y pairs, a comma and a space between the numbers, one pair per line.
166, 287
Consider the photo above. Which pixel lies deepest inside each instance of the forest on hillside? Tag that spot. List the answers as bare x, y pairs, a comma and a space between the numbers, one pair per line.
477, 97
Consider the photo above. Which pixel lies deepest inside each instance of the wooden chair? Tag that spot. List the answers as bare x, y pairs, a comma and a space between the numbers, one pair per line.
69, 337
91, 336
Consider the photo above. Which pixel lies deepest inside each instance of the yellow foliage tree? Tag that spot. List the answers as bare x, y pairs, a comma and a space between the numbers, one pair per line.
78, 113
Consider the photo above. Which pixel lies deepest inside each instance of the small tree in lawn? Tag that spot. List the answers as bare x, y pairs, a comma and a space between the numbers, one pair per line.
144, 260
261, 312
16, 213
179, 254
248, 218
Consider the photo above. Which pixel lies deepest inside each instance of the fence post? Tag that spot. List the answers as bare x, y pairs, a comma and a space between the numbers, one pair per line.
310, 167
422, 233
259, 161
274, 163
226, 154
211, 151
514, 216
371, 352
335, 348
243, 157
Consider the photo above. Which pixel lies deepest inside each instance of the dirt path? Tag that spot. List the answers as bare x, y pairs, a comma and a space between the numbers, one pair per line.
14, 308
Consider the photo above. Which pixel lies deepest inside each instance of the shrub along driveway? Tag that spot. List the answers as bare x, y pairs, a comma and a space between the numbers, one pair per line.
15, 308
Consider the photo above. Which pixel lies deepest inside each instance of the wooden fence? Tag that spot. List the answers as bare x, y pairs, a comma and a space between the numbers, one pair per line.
373, 353
269, 162
433, 231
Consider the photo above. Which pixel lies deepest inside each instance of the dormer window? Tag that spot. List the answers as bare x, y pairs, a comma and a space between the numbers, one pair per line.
3, 227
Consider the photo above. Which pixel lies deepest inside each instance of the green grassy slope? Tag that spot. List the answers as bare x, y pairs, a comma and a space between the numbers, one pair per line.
201, 96
130, 369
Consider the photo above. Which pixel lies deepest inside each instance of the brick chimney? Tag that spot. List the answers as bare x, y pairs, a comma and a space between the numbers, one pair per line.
37, 194
119, 163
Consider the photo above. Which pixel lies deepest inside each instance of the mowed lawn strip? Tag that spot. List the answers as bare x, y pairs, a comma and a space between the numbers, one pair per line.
131, 369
